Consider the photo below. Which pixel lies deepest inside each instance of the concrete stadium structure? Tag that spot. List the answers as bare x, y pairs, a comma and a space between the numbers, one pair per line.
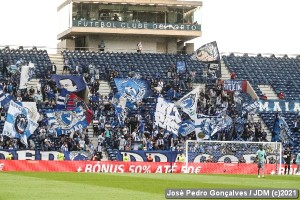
163, 26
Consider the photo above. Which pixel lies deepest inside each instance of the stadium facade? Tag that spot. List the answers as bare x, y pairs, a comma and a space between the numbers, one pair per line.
163, 26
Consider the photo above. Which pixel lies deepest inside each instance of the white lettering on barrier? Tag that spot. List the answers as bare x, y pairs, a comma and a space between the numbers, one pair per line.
190, 170
26, 155
45, 155
106, 168
263, 106
4, 153
1, 166
296, 107
277, 107
162, 157
135, 155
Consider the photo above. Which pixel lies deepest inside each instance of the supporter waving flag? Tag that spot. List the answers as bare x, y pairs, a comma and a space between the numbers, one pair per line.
18, 123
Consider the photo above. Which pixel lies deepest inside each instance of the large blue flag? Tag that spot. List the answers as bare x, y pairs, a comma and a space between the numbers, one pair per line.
133, 89
18, 124
188, 103
66, 121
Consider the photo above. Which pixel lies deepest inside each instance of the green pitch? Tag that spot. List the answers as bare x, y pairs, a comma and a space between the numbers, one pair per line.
82, 186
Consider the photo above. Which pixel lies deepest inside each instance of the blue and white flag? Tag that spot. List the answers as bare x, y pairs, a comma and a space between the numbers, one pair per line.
62, 99
133, 89
188, 103
26, 74
18, 124
186, 127
207, 53
206, 126
250, 108
67, 121
70, 82
5, 99
32, 110
167, 116
121, 109
223, 123
68, 101
281, 131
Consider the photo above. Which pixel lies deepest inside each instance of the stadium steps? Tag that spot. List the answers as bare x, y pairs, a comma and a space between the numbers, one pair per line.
58, 61
225, 74
104, 88
94, 140
263, 126
270, 93
33, 82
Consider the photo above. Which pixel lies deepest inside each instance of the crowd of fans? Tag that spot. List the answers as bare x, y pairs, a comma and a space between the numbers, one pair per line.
139, 124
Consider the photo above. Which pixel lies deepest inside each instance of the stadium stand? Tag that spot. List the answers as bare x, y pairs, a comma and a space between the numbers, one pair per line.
280, 73
153, 67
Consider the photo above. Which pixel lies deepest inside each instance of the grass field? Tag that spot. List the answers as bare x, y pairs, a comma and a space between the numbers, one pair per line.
82, 186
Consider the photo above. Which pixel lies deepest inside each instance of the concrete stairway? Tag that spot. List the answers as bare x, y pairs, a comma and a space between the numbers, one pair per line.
225, 74
263, 126
268, 90
104, 88
264, 88
33, 82
58, 60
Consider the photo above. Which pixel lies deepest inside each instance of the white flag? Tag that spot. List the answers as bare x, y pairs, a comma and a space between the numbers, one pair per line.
167, 116
25, 75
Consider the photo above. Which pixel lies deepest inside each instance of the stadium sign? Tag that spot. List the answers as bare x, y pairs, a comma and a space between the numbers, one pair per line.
136, 25
279, 106
43, 155
137, 167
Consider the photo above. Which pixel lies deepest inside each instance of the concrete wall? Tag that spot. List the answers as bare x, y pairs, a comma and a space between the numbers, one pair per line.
251, 91
189, 48
129, 44
66, 44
